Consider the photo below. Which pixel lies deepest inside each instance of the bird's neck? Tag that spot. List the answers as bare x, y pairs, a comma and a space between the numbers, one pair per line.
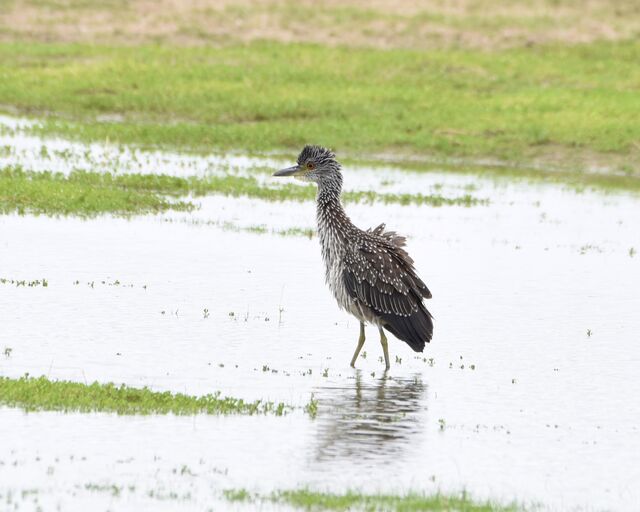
332, 219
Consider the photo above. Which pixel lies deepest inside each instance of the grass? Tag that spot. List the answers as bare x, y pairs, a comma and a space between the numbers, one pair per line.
42, 394
23, 282
312, 407
84, 194
568, 107
483, 24
310, 500
88, 194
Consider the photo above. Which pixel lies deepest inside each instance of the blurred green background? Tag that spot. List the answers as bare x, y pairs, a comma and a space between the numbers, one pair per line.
539, 87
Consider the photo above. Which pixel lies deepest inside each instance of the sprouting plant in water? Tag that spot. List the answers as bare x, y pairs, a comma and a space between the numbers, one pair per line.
205, 313
312, 407
588, 247
23, 282
185, 470
236, 495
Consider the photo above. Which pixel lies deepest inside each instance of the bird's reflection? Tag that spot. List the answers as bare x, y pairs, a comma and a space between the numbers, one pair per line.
371, 419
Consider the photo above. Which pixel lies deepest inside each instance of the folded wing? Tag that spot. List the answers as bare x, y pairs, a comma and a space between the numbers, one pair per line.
380, 275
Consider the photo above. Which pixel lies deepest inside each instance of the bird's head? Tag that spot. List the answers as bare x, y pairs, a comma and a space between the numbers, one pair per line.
316, 164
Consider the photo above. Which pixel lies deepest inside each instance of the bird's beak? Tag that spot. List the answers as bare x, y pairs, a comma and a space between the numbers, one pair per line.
289, 171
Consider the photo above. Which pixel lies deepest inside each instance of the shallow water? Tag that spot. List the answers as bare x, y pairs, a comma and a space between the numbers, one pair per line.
19, 146
548, 414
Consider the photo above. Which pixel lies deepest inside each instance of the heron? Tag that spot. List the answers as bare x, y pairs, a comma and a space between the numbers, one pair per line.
370, 274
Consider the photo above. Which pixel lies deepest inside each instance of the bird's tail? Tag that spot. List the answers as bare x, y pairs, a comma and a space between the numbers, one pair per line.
415, 330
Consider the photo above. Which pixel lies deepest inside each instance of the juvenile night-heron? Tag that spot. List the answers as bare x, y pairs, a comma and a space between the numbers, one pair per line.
370, 274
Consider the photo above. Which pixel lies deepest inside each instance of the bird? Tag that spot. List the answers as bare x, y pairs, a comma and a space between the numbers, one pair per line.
369, 272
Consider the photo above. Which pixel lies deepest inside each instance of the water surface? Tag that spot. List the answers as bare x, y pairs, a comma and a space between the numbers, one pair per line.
529, 391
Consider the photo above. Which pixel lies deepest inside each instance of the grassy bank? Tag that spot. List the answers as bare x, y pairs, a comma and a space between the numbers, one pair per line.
309, 500
485, 24
87, 194
572, 108
42, 394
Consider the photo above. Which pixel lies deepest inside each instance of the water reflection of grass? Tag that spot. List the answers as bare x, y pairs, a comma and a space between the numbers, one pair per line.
310, 500
42, 394
88, 194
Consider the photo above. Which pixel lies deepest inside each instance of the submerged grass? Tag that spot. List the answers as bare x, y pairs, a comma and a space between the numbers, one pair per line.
258, 229
42, 394
24, 282
310, 500
88, 194
573, 106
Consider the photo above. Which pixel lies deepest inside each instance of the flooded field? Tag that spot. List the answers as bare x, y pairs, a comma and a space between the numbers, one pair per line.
529, 391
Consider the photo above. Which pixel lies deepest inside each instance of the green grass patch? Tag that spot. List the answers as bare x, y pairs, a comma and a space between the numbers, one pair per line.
42, 394
310, 500
84, 194
566, 104
88, 194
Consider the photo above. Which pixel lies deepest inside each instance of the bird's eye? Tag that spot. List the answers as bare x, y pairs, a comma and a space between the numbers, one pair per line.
310, 166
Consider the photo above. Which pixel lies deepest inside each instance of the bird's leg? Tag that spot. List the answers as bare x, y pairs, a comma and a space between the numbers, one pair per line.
385, 348
359, 347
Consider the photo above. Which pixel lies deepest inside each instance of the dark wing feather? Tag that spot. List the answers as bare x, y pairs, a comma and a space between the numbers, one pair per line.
379, 273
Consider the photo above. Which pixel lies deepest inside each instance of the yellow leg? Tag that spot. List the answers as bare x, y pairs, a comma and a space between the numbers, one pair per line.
385, 348
359, 347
